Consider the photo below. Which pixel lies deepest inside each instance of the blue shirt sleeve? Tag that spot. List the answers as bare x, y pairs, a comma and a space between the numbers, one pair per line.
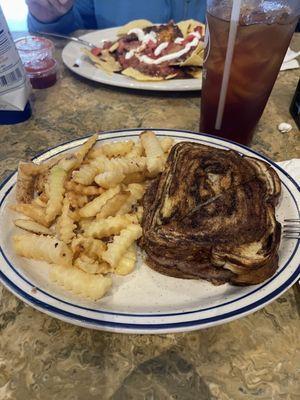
99, 14
80, 16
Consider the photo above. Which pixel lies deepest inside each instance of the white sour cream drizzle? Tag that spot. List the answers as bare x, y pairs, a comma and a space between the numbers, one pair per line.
143, 37
160, 48
130, 54
146, 37
179, 40
172, 56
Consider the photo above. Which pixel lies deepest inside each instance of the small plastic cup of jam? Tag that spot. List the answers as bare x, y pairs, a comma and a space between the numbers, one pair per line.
37, 56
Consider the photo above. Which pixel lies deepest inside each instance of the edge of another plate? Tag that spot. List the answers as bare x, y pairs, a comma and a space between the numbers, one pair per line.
71, 53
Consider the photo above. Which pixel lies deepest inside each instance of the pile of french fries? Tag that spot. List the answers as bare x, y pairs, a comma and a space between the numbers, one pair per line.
82, 213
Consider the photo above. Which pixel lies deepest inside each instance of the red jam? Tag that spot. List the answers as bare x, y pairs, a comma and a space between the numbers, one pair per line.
37, 56
43, 74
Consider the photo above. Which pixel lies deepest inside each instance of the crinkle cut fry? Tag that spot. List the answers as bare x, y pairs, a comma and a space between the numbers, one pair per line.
82, 189
65, 224
27, 173
57, 179
94, 207
93, 248
85, 175
115, 149
127, 263
32, 226
109, 226
112, 206
121, 243
136, 193
44, 248
79, 282
154, 152
32, 211
91, 266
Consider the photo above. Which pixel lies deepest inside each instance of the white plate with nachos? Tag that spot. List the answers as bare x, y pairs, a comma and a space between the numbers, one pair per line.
145, 301
103, 68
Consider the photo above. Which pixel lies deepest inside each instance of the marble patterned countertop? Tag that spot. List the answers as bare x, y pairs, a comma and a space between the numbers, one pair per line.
44, 358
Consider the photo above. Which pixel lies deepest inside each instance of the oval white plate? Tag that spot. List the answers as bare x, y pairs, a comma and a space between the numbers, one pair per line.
146, 301
72, 54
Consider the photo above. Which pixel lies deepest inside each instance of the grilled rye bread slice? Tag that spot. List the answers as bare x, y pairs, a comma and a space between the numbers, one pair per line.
211, 215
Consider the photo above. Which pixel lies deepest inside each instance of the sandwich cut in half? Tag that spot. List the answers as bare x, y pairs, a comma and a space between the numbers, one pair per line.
211, 215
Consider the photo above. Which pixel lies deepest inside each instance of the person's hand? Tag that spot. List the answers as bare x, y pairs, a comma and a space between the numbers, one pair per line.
49, 10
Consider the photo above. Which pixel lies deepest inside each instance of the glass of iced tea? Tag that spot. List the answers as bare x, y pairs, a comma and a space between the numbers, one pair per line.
246, 41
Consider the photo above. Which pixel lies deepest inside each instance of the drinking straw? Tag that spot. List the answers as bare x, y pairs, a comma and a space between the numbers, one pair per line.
234, 20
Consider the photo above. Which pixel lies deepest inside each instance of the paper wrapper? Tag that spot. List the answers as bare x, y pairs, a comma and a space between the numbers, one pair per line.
290, 60
14, 86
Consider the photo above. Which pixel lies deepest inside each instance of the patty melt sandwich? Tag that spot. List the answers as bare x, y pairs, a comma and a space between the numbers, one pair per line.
211, 215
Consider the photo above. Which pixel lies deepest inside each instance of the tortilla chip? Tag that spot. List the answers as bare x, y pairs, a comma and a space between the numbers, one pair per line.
139, 76
194, 72
113, 47
137, 23
196, 58
189, 25
106, 62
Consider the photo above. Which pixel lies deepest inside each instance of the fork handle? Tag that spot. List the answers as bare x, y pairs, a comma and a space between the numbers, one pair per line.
72, 38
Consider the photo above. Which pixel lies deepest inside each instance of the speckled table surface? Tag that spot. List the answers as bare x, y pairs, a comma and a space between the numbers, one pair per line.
44, 358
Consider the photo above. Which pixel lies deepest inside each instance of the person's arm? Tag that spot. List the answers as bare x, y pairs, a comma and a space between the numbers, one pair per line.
44, 16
